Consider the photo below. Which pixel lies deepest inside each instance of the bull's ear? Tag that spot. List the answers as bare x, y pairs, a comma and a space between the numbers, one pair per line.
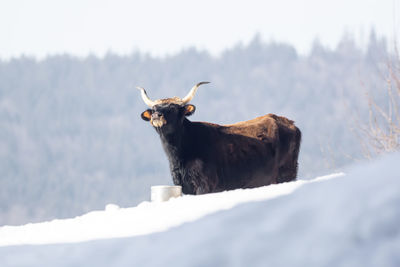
146, 115
189, 109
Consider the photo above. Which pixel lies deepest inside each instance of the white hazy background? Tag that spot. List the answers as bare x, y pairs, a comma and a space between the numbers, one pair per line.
81, 27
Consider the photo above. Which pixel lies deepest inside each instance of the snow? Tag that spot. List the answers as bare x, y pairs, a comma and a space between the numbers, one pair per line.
338, 220
144, 219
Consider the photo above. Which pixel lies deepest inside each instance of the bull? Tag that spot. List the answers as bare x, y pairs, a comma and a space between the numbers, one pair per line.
205, 157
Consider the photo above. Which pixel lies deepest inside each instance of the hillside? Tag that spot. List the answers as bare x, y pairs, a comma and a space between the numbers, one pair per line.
347, 220
71, 137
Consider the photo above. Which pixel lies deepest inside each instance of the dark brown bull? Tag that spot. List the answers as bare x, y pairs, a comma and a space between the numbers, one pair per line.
205, 157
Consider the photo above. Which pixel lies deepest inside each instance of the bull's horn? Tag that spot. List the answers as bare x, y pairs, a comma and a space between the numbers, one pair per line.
190, 95
145, 98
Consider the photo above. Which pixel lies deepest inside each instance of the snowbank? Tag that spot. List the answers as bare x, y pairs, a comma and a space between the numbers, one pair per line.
144, 219
349, 221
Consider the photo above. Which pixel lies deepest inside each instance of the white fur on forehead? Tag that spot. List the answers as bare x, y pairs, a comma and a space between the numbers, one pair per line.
172, 100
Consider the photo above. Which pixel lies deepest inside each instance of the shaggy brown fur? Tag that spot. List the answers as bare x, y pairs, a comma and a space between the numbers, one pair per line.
206, 157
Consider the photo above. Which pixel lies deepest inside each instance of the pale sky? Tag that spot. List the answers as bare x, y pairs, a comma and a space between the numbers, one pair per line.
80, 27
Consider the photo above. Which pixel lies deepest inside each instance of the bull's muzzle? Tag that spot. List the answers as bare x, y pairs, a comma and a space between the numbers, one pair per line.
158, 120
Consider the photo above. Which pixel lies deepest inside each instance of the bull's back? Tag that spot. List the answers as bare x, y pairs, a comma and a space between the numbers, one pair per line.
279, 138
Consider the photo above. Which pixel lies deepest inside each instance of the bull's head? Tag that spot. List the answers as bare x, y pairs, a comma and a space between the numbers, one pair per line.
169, 112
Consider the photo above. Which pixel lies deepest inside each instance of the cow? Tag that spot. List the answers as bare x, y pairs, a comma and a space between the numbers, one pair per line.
205, 157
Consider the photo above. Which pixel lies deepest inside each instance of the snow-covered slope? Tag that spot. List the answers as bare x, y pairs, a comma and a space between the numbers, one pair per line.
345, 221
144, 219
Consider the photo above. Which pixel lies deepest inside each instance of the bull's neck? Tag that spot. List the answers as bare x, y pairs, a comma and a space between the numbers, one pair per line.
174, 143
